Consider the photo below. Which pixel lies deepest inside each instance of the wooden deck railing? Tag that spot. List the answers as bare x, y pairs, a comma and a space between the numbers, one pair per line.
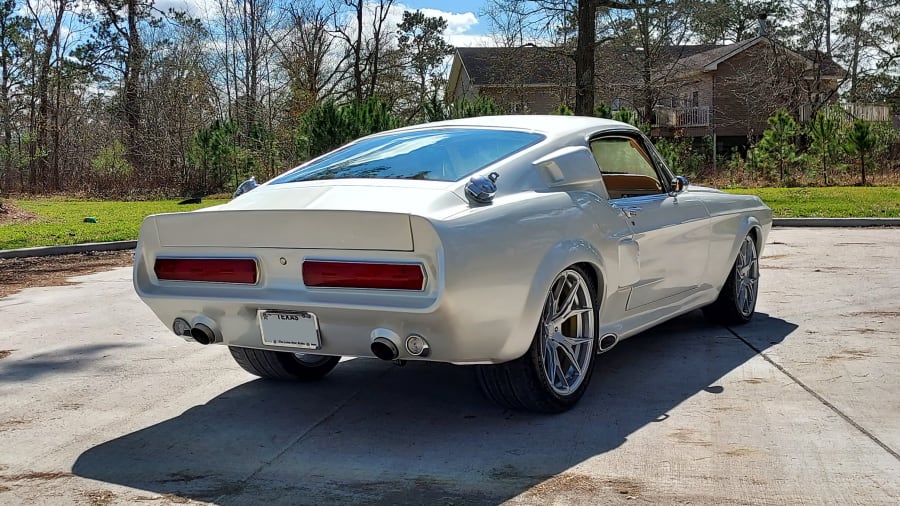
675, 117
846, 113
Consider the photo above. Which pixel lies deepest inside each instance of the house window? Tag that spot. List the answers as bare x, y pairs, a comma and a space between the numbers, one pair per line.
695, 99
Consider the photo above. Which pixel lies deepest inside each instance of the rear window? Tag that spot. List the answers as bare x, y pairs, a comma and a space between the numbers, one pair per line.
434, 155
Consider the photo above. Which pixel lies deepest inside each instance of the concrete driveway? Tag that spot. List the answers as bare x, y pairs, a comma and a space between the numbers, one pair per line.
101, 404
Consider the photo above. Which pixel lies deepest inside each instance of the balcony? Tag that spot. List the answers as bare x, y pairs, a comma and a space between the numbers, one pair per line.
672, 117
681, 117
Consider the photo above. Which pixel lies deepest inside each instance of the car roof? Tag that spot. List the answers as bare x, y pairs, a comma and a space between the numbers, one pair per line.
549, 125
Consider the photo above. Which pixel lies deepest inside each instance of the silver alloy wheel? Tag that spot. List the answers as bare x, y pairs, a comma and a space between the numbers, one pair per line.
310, 360
747, 274
567, 332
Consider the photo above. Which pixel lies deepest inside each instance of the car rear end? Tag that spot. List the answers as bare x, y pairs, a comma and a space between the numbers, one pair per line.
347, 276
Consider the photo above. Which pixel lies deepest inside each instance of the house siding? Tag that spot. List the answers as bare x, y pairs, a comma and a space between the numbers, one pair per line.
752, 85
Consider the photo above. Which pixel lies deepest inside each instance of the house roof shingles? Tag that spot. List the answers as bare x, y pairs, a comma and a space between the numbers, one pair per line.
540, 65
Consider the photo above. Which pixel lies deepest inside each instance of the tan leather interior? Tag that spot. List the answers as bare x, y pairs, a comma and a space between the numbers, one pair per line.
629, 185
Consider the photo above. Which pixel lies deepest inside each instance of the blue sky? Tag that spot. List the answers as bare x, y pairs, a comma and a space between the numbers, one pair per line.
466, 27
456, 6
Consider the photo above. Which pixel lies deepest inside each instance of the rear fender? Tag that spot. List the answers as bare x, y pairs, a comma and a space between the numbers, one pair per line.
563, 255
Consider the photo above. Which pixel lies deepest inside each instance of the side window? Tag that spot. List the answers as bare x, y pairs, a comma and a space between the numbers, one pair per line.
627, 169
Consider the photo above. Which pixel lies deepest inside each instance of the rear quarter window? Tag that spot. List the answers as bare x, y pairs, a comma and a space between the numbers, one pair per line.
433, 155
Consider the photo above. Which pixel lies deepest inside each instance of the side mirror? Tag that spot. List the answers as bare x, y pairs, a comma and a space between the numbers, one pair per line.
679, 184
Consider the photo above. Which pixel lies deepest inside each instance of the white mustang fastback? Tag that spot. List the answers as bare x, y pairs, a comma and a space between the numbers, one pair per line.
522, 245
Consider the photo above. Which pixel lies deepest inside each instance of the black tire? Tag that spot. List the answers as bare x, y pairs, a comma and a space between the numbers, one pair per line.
283, 365
523, 384
733, 307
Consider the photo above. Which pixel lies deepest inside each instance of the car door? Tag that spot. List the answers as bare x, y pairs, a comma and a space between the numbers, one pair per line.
671, 229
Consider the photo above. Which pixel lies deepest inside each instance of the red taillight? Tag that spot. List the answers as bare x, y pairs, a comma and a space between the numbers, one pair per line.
216, 270
321, 274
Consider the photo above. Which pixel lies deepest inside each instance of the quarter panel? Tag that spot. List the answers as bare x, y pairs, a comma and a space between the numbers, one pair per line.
501, 259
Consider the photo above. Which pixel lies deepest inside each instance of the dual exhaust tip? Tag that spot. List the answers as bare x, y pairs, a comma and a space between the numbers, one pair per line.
201, 331
385, 345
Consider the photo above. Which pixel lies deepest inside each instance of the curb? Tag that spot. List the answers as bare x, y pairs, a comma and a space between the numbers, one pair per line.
123, 245
836, 222
43, 251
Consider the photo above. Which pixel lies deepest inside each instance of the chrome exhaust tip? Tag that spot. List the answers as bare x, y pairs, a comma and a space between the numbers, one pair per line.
384, 349
606, 342
203, 334
417, 346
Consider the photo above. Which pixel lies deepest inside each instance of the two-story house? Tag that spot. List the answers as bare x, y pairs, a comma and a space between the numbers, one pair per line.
723, 91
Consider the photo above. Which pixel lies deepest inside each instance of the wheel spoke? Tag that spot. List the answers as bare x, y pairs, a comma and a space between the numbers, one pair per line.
577, 341
571, 314
566, 305
571, 356
562, 376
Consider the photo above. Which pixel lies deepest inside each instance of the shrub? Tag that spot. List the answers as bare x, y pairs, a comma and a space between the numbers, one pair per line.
328, 126
435, 110
861, 140
564, 110
824, 133
778, 148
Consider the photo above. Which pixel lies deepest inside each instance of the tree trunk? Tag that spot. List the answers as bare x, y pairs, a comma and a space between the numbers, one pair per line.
5, 63
584, 58
38, 163
862, 165
357, 55
132, 99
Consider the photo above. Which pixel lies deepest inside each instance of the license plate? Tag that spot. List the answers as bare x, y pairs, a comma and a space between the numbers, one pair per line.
293, 329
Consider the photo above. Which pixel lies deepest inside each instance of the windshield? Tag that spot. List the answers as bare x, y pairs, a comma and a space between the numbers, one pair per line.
434, 155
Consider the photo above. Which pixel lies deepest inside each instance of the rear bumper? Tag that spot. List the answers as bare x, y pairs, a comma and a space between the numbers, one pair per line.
454, 322
345, 331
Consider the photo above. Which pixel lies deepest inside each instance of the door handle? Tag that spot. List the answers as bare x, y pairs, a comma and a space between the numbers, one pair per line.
630, 211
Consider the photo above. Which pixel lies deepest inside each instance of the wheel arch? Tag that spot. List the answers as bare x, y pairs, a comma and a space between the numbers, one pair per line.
749, 225
565, 254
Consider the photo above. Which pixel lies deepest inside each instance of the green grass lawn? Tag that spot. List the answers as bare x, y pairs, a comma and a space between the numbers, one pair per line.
62, 221
830, 202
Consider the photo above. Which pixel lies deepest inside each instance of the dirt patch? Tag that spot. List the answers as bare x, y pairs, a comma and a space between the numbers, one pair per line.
17, 274
170, 498
739, 452
884, 314
12, 424
5, 353
582, 484
688, 436
37, 475
850, 354
100, 497
12, 215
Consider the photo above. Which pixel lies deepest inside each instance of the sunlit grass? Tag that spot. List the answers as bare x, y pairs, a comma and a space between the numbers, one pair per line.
61, 221
830, 202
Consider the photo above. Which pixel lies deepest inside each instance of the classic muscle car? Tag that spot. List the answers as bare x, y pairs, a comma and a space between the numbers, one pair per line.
524, 246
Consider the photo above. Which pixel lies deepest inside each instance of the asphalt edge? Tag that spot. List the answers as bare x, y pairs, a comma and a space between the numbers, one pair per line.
43, 251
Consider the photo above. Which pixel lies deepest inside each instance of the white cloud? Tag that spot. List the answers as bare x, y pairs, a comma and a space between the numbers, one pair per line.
457, 23
194, 8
